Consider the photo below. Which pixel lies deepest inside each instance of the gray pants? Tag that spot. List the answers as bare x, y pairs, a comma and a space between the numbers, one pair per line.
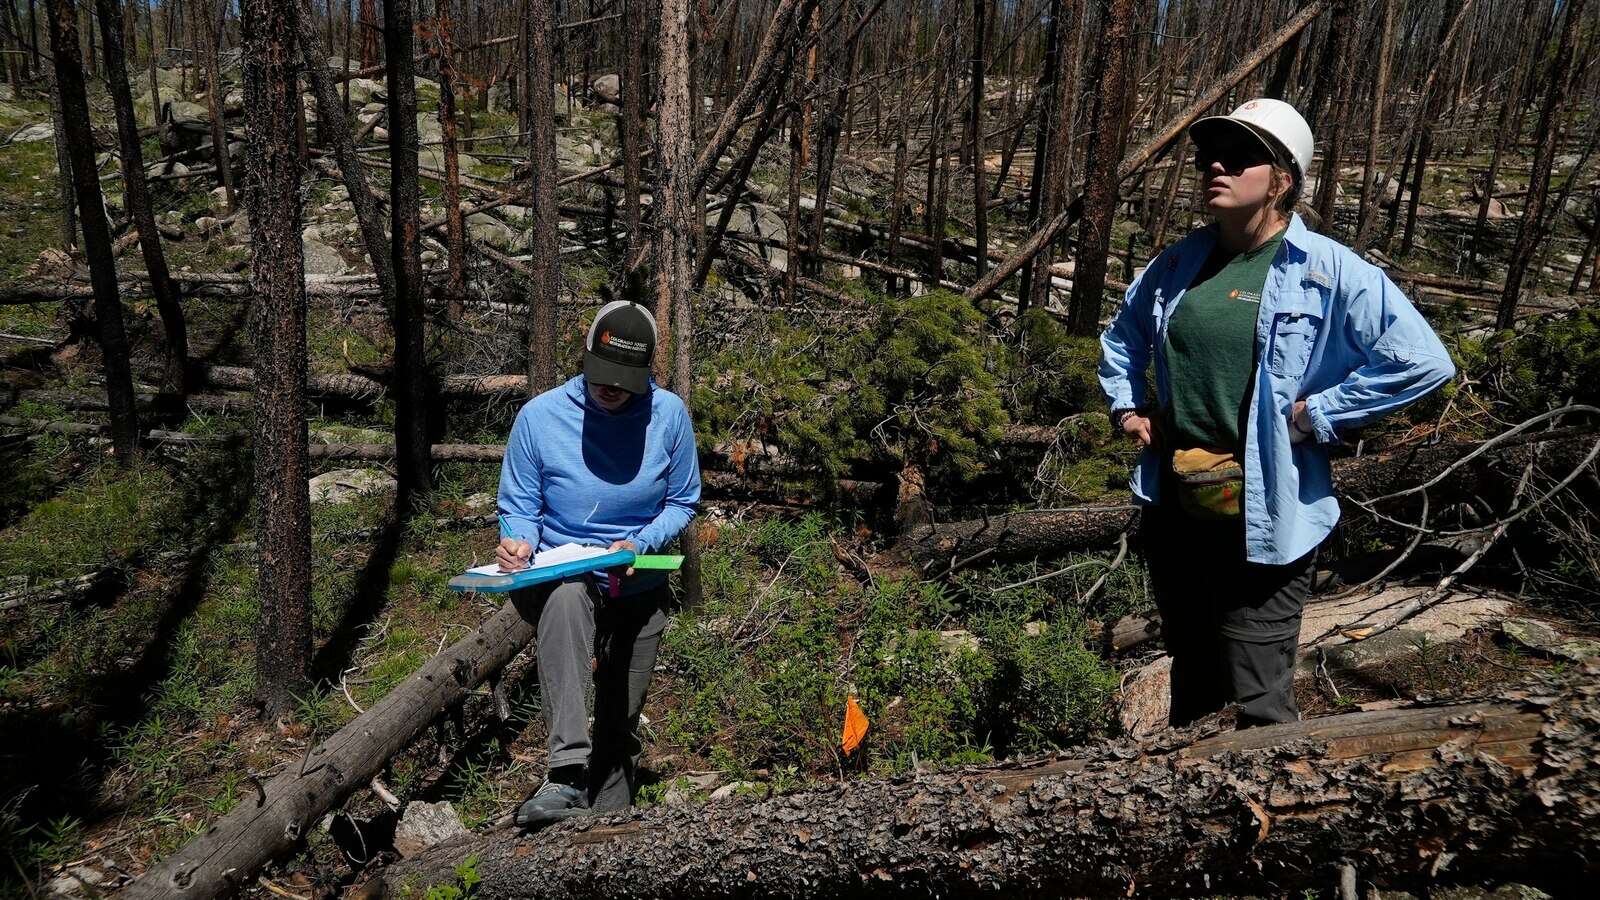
578, 624
1232, 627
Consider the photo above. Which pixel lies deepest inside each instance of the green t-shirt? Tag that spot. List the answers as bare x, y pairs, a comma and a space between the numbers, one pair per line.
1210, 347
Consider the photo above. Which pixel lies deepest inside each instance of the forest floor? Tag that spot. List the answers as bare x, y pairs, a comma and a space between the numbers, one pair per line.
129, 707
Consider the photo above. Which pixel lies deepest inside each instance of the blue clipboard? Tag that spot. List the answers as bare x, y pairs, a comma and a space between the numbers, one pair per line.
514, 581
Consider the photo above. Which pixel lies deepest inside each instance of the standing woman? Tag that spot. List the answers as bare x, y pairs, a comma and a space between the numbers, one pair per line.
607, 459
1269, 342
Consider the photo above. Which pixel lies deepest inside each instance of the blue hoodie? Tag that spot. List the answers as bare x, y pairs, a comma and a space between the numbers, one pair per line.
576, 474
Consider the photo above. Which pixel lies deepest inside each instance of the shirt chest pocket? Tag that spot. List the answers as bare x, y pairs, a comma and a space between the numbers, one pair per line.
1295, 327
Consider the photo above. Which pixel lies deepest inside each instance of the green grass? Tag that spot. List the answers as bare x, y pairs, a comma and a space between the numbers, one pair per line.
108, 517
759, 673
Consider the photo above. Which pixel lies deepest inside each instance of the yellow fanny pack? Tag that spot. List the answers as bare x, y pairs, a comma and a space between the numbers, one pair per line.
1210, 483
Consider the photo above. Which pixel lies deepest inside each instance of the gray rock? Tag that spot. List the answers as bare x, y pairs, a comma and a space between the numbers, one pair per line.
481, 504
688, 788
217, 200
233, 103
39, 131
486, 228
608, 88
1530, 633
186, 113
205, 224
320, 259
344, 485
733, 788
423, 825
367, 90
500, 97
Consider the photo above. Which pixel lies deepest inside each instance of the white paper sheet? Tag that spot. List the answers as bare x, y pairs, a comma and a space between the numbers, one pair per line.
551, 557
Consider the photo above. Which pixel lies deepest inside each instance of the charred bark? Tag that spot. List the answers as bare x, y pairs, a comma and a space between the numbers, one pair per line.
411, 383
1100, 193
1503, 786
1164, 136
138, 197
544, 283
79, 140
1530, 232
331, 111
282, 466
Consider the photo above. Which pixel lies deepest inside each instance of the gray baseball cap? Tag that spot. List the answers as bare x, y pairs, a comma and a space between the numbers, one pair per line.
620, 347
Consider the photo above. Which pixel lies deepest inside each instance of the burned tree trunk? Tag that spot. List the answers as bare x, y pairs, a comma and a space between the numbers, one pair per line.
676, 216
1100, 193
1502, 136
219, 133
980, 196
278, 313
410, 364
331, 111
455, 227
1529, 233
1057, 163
69, 203
1375, 122
138, 198
1164, 136
544, 278
634, 13
79, 140
1502, 786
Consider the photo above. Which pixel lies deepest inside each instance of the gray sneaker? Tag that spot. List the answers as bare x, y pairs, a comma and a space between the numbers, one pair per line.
552, 802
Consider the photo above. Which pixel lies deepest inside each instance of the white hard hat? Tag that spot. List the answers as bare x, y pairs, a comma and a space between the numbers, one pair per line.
1265, 118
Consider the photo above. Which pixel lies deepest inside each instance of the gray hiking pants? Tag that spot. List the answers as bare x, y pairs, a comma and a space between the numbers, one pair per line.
577, 624
1231, 626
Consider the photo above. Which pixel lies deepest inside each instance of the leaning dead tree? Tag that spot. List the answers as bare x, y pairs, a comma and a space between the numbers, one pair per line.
1504, 787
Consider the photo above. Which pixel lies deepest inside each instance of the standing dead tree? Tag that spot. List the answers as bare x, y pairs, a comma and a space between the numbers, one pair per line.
331, 112
138, 198
1100, 194
278, 322
1503, 786
1138, 158
1529, 233
79, 141
412, 404
544, 280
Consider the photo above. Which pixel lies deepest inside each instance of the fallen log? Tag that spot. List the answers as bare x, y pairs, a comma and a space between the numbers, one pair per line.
1505, 786
228, 852
1051, 532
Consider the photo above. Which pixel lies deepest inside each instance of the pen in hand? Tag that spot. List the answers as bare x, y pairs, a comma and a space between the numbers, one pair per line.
512, 553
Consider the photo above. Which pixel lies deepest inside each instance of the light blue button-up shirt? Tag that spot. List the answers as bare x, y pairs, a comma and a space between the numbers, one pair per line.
1332, 330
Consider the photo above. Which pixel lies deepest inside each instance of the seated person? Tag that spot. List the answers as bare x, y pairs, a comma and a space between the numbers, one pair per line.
606, 459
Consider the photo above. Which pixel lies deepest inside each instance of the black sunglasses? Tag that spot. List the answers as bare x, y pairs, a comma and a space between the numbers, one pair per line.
1235, 158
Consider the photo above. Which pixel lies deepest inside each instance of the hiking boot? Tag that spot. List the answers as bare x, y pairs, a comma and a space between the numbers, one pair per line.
552, 802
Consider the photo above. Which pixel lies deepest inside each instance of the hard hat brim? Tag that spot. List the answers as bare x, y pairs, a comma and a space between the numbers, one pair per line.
1211, 129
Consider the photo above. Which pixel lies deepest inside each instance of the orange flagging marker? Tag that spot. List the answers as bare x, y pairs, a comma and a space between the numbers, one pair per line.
855, 726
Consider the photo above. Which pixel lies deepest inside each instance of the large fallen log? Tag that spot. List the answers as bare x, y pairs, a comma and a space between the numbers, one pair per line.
1051, 532
272, 821
1504, 786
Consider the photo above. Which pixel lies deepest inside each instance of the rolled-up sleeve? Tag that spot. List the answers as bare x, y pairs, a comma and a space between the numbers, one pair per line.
1126, 345
1402, 360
